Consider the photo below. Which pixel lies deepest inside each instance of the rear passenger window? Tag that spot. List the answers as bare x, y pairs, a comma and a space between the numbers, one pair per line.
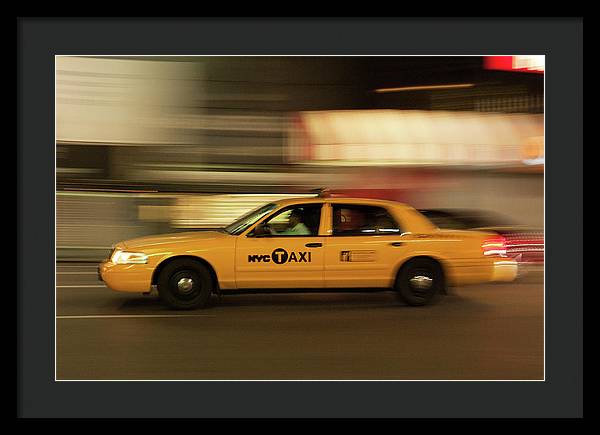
362, 220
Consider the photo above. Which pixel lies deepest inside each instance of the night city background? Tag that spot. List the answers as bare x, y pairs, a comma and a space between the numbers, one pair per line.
157, 144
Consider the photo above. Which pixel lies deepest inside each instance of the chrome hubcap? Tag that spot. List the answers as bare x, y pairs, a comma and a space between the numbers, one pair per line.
421, 282
184, 285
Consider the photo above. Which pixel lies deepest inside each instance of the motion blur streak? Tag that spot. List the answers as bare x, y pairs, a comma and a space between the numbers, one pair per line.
157, 144
423, 88
416, 137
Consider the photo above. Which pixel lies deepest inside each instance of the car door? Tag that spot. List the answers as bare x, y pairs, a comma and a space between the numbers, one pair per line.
363, 248
280, 259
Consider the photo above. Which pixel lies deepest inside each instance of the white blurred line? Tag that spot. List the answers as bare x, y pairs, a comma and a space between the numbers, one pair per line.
95, 264
76, 273
81, 286
116, 316
89, 267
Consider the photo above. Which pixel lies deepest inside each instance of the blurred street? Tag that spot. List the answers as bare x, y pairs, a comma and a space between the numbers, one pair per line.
493, 331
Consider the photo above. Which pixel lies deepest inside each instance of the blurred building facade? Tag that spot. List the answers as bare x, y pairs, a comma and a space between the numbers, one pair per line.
164, 135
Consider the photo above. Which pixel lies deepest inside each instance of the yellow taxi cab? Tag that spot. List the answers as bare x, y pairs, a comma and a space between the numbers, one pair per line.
324, 243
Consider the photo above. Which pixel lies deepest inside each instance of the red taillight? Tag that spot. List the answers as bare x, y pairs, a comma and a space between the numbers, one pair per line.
494, 246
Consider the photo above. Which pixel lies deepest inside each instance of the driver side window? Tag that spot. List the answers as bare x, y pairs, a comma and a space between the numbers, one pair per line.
281, 221
301, 220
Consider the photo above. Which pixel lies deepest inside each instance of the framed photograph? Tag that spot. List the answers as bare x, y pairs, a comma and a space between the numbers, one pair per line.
297, 228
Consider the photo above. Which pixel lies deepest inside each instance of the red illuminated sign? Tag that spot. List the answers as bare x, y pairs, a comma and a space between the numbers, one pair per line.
533, 64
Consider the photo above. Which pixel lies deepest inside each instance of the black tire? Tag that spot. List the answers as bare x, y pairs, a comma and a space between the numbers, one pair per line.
419, 280
185, 284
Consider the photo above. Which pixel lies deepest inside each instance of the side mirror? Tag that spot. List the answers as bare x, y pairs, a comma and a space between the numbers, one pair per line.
261, 230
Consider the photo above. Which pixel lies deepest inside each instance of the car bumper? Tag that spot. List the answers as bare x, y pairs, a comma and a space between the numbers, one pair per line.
479, 271
134, 278
505, 270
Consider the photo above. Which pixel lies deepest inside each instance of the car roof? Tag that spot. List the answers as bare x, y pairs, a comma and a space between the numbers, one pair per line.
341, 200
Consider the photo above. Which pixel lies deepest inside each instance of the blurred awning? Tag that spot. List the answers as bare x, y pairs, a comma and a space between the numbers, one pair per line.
416, 137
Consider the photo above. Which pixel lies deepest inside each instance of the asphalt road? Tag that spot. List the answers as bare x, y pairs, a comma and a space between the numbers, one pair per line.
487, 332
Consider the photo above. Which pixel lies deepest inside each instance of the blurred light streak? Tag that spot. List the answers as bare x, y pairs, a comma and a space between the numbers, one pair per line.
90, 189
210, 211
534, 64
424, 88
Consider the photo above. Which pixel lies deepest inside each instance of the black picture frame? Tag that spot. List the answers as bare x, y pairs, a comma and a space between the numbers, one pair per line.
561, 40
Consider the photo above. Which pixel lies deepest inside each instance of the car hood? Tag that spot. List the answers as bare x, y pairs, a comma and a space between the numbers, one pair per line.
172, 238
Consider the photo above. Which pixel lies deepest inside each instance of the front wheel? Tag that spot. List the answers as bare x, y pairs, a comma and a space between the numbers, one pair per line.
185, 284
419, 281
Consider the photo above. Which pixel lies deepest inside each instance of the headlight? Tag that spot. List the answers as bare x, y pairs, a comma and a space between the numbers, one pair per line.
124, 257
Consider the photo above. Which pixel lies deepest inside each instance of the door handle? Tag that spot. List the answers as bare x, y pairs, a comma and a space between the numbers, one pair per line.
397, 243
313, 245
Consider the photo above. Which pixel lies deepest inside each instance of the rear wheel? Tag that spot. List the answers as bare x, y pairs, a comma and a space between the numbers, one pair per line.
185, 284
419, 281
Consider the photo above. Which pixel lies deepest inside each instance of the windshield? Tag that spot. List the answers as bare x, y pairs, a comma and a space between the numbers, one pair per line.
250, 218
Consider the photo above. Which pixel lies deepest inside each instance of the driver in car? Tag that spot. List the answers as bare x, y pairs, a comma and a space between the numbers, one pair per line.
295, 226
